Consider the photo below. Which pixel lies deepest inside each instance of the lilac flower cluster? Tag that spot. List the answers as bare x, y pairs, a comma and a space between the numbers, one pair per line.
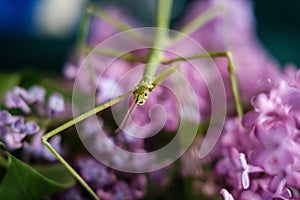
33, 100
109, 184
18, 132
259, 159
14, 130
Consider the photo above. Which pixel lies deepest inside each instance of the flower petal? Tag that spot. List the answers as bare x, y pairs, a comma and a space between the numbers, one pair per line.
226, 195
31, 128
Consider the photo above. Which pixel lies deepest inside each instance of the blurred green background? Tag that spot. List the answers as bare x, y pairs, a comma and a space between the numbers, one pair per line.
25, 46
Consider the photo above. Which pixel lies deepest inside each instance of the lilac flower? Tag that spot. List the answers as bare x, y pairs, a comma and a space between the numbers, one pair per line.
109, 184
236, 169
33, 99
95, 173
226, 195
104, 195
19, 130
277, 150
14, 130
13, 141
269, 159
37, 149
245, 171
36, 94
269, 109
56, 104
107, 89
70, 70
133, 144
121, 190
16, 98
73, 193
28, 128
6, 118
139, 186
269, 167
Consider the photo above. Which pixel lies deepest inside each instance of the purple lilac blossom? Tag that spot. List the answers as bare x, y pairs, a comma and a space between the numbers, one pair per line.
226, 195
36, 149
6, 118
107, 89
73, 193
36, 94
111, 184
160, 178
95, 173
14, 130
28, 128
34, 98
260, 160
56, 105
16, 98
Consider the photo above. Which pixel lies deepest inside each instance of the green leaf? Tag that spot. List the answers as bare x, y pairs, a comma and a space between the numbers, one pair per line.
7, 82
23, 182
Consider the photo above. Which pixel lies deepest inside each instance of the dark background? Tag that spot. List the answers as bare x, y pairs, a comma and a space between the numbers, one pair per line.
278, 27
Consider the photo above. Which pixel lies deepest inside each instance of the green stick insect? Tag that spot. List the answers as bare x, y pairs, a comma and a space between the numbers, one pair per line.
149, 81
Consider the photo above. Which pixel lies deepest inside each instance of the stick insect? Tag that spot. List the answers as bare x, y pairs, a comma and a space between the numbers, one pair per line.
148, 81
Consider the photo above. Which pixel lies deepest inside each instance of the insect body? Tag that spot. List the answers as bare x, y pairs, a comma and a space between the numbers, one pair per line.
141, 92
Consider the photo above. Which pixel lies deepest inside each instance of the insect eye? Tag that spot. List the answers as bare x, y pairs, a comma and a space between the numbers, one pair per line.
141, 102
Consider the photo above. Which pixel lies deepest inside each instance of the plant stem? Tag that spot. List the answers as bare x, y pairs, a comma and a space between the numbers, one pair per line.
70, 169
234, 85
162, 23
